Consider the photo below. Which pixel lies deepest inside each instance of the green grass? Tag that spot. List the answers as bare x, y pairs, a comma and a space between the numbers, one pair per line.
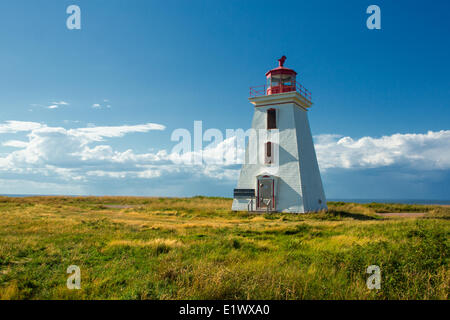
196, 248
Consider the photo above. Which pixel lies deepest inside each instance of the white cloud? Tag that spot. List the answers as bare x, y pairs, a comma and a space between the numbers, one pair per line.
15, 144
419, 151
57, 145
109, 174
57, 104
18, 126
82, 156
98, 133
61, 103
76, 155
105, 104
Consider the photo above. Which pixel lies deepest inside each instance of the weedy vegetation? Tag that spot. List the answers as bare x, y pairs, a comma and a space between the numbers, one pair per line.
196, 248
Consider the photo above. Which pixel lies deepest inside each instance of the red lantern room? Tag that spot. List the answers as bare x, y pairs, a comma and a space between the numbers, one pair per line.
280, 79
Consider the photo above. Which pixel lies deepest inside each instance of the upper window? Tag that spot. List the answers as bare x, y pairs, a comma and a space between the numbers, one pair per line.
271, 119
268, 157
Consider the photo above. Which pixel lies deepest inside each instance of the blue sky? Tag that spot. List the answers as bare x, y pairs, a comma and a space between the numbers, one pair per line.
167, 64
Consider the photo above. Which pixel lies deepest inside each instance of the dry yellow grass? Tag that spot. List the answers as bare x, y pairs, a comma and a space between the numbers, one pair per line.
171, 243
168, 248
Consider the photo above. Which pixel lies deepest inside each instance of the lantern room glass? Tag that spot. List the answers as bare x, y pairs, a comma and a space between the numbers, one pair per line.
279, 83
287, 80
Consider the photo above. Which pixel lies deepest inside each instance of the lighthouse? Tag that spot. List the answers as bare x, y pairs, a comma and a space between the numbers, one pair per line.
285, 177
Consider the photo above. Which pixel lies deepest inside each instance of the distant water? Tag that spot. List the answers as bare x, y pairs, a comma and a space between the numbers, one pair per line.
33, 195
405, 201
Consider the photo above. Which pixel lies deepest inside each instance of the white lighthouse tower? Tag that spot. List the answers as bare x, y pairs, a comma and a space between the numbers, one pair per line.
287, 179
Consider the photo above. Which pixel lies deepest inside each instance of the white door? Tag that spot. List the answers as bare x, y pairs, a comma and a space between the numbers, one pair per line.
266, 198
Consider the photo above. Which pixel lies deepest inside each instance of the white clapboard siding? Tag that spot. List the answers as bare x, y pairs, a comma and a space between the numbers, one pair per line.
298, 183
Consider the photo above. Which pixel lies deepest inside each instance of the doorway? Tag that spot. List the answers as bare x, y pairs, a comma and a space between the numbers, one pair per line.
266, 194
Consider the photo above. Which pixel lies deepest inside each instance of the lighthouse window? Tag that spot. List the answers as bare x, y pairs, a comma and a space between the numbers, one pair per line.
275, 82
268, 153
271, 119
286, 80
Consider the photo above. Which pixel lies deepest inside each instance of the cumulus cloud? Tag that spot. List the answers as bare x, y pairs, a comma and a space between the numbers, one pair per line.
60, 146
98, 133
83, 156
427, 151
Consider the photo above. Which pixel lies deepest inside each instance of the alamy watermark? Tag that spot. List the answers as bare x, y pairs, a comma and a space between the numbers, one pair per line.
74, 280
374, 20
249, 147
74, 20
374, 280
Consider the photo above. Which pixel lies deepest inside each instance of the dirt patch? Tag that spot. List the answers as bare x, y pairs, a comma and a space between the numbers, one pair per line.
403, 214
119, 206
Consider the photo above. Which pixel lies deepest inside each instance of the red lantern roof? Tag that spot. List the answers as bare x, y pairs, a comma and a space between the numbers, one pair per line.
281, 69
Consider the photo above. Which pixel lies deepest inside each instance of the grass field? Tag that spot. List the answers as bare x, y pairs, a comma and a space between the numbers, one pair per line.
196, 248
